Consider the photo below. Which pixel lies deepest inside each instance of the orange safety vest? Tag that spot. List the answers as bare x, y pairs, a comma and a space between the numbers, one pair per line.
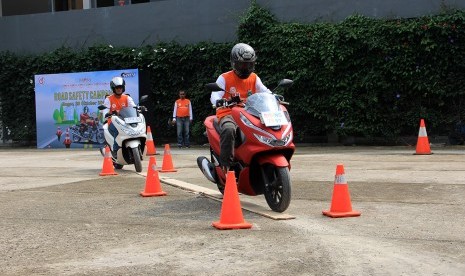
182, 107
117, 104
234, 85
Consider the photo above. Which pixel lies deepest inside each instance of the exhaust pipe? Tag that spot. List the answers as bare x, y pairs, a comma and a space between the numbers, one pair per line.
207, 168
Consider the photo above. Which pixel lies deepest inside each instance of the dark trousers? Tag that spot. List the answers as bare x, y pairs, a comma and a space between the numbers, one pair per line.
182, 131
227, 140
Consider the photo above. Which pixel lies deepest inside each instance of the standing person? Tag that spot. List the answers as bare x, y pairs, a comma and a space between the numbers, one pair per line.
182, 116
240, 81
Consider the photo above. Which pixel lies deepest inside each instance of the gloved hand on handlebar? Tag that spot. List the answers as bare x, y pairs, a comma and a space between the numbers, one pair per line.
221, 102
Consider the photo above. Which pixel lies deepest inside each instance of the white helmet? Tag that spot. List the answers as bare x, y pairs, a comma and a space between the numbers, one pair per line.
117, 81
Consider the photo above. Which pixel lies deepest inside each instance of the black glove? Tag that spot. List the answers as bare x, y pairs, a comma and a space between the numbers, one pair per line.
220, 102
236, 99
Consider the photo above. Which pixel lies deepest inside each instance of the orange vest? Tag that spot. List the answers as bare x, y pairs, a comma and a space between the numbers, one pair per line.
117, 104
182, 107
235, 85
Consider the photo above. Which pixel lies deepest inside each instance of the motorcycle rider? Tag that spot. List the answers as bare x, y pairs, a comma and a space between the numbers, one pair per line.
85, 119
115, 102
240, 81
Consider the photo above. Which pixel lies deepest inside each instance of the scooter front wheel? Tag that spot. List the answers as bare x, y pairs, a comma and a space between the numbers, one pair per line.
277, 187
137, 159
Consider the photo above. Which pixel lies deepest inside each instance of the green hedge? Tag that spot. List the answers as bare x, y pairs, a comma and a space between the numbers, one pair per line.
361, 77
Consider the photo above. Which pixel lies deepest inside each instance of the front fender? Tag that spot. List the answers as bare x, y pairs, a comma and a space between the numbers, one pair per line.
276, 159
132, 143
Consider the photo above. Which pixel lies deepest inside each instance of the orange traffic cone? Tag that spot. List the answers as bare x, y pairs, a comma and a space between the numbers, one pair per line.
149, 144
422, 142
107, 168
167, 165
152, 183
231, 211
340, 203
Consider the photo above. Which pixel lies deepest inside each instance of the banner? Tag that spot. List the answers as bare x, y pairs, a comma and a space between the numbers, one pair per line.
65, 100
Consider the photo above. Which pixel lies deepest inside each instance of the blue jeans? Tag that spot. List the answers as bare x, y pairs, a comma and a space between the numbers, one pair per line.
182, 129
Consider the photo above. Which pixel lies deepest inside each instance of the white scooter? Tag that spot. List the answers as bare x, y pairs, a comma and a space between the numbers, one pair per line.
126, 135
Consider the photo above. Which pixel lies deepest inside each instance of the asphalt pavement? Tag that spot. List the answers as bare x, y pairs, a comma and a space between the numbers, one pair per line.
60, 217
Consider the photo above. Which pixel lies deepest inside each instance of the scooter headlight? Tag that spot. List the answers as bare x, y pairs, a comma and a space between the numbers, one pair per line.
288, 138
274, 142
265, 140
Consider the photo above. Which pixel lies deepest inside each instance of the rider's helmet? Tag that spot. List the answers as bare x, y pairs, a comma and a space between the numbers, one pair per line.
117, 82
243, 60
86, 109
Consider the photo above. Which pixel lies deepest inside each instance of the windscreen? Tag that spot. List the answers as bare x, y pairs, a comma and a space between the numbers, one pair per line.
261, 102
128, 112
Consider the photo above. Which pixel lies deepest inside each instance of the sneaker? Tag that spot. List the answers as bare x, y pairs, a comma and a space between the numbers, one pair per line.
179, 147
225, 169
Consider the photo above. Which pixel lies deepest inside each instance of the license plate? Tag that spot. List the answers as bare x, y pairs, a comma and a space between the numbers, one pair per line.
132, 120
274, 118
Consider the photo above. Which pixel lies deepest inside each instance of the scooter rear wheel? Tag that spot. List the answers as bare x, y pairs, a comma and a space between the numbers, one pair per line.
277, 187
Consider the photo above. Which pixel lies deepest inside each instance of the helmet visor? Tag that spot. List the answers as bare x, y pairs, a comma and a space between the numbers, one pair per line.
244, 68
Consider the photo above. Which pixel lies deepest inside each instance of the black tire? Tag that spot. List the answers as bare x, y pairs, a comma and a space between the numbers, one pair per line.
277, 187
220, 185
137, 159
219, 182
117, 166
100, 138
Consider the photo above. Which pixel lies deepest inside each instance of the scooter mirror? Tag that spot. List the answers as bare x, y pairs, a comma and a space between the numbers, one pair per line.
285, 83
213, 87
143, 98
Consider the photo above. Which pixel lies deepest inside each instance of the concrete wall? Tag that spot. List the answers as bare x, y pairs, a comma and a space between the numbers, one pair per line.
184, 21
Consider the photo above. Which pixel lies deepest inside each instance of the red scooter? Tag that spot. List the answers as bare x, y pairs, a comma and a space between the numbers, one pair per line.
263, 147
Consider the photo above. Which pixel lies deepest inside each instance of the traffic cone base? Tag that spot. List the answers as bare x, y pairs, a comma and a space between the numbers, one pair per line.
152, 182
341, 214
231, 211
422, 147
107, 168
341, 205
226, 226
167, 165
149, 144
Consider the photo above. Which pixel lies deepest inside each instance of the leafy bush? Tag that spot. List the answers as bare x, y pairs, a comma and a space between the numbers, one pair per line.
361, 77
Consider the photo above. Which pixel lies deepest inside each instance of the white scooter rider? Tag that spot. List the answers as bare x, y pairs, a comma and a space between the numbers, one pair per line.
114, 103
